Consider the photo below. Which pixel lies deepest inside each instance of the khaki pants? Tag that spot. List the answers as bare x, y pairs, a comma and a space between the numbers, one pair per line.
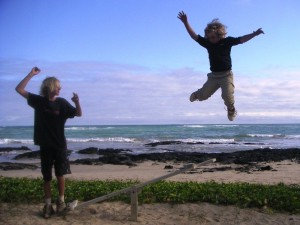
216, 80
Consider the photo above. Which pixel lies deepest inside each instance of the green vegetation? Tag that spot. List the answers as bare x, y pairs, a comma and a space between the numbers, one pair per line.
278, 197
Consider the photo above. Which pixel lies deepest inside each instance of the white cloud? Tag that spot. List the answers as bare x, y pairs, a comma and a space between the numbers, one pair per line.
113, 93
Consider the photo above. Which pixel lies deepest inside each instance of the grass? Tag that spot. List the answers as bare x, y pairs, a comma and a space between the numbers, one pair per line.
280, 197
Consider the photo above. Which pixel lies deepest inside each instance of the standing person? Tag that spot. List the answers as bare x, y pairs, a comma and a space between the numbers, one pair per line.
218, 47
50, 115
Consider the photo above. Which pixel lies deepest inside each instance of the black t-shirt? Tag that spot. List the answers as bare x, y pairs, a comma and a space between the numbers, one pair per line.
219, 53
49, 120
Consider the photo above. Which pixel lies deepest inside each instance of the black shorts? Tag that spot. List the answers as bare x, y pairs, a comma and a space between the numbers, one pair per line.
54, 156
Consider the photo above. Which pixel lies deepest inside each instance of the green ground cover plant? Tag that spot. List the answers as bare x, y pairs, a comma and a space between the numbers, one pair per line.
280, 197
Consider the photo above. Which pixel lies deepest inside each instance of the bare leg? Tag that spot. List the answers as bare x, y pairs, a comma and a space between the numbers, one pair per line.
47, 210
61, 185
47, 189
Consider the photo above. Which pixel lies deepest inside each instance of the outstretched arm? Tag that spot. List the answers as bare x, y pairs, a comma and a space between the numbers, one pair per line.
248, 37
182, 16
75, 99
22, 85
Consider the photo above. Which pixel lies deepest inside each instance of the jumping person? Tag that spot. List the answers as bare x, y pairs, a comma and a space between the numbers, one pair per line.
219, 48
50, 115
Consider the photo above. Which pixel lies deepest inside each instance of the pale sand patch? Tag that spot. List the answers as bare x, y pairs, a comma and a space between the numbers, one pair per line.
117, 213
286, 172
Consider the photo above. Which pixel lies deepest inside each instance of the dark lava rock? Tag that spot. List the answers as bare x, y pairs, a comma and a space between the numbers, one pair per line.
193, 157
87, 162
154, 144
91, 150
9, 149
108, 156
108, 151
211, 170
32, 155
102, 151
254, 167
249, 158
117, 159
245, 169
16, 166
240, 157
28, 155
264, 168
168, 167
265, 155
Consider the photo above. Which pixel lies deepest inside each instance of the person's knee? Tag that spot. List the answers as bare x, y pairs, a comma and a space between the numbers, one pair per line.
201, 95
47, 177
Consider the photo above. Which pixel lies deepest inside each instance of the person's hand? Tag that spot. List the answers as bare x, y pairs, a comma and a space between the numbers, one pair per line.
75, 98
35, 70
182, 16
259, 31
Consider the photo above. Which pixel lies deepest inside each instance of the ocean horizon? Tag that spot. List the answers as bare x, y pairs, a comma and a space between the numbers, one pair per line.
208, 138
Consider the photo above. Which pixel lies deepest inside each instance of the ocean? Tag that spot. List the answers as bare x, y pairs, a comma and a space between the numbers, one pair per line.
196, 138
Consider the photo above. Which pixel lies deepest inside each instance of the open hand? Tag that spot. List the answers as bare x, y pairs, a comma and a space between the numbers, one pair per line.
75, 98
259, 31
182, 16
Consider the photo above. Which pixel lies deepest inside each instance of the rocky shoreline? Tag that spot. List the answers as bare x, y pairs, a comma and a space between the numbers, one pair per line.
246, 160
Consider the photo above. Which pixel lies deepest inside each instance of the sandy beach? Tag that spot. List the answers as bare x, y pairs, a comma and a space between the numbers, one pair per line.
114, 213
285, 171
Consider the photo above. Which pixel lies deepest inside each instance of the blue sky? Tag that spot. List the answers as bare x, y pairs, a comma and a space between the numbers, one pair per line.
132, 62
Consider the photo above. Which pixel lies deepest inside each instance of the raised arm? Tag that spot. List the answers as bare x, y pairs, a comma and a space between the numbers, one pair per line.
75, 99
248, 37
182, 16
22, 85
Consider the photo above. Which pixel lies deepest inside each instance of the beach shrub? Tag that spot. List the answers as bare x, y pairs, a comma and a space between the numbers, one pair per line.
278, 197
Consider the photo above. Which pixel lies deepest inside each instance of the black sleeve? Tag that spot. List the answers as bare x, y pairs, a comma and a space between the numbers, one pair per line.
202, 41
34, 100
233, 41
69, 110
